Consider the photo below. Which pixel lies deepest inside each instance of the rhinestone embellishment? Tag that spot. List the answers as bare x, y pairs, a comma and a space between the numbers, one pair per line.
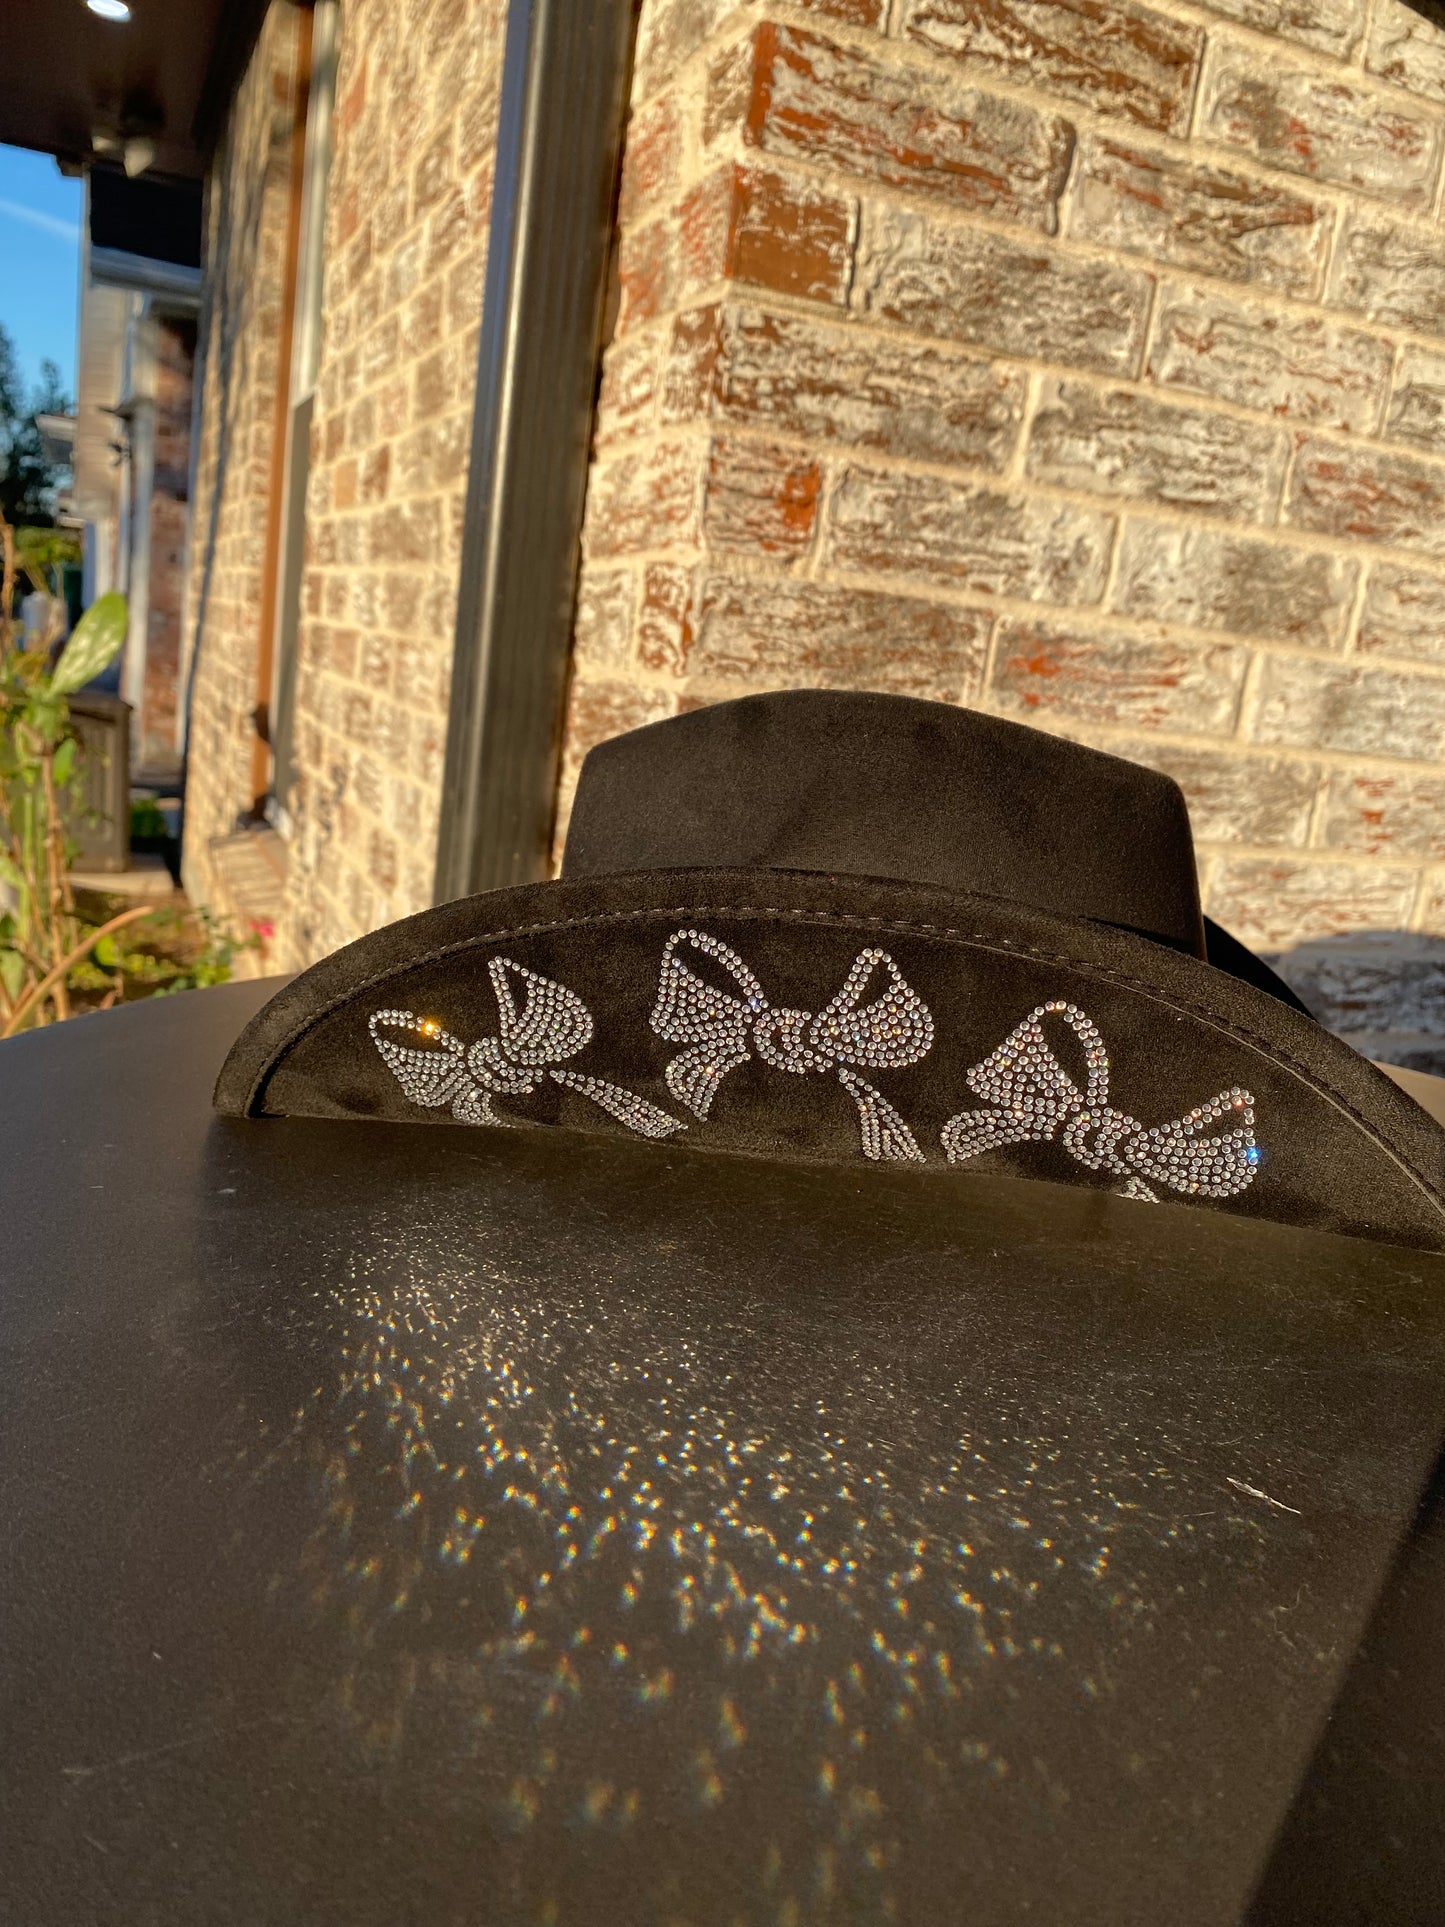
549, 1025
722, 1029
1034, 1098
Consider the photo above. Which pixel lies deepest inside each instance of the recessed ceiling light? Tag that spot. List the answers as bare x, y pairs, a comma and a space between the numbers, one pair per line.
109, 9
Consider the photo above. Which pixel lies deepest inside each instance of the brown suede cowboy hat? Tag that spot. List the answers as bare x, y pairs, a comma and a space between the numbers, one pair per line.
853, 928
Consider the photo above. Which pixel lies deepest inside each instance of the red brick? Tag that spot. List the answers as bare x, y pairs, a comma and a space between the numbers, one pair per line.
1404, 614
1289, 365
648, 501
751, 225
375, 667
353, 98
1113, 58
664, 623
1205, 578
406, 532
920, 526
344, 484
421, 321
1320, 125
379, 349
761, 499
1114, 442
1386, 815
1344, 490
477, 130
1010, 297
1390, 273
1041, 669
434, 171
629, 388
651, 157
819, 381
1364, 711
1276, 904
1207, 219
375, 474
769, 634
448, 229
856, 112
647, 273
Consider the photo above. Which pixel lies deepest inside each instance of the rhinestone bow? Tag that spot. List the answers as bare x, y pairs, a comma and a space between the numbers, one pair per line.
723, 1030
1034, 1097
547, 1027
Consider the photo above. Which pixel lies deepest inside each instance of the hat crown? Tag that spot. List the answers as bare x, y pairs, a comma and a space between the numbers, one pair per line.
889, 786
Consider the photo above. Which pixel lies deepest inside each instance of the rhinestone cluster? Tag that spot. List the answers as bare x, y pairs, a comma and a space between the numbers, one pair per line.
1028, 1094
548, 1025
434, 1070
722, 1030
1036, 1099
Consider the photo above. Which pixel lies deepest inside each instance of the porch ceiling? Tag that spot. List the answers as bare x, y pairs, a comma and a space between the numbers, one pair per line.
168, 71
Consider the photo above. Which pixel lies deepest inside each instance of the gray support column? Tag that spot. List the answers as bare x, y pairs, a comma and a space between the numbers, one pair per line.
564, 96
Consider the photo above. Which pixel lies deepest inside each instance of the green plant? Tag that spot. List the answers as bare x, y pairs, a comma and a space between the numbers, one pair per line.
54, 955
147, 821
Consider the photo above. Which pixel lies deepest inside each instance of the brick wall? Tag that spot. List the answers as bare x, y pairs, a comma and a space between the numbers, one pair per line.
1078, 359
408, 205
246, 223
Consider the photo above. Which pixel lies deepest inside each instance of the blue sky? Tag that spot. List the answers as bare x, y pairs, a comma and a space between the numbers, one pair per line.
40, 215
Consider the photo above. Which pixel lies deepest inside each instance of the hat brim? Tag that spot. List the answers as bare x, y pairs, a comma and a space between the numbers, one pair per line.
844, 1019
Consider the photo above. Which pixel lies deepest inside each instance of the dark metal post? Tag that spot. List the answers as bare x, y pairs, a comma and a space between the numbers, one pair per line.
564, 95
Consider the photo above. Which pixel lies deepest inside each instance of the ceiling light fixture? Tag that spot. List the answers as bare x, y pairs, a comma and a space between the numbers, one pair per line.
109, 9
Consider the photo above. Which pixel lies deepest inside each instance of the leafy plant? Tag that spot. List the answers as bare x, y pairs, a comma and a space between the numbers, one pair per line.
51, 954
147, 821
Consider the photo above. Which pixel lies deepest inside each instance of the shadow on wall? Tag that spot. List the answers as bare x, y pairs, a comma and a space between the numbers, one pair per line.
1383, 991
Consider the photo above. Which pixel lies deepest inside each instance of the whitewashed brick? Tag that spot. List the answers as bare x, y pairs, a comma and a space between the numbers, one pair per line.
1206, 579
1330, 26
1386, 814
1289, 365
1407, 50
1001, 294
1111, 441
1109, 55
1404, 614
1174, 210
1321, 124
1366, 711
1044, 669
1260, 800
1274, 904
1390, 272
886, 523
1417, 405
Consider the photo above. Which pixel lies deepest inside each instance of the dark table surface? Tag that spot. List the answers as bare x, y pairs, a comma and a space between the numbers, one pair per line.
410, 1524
